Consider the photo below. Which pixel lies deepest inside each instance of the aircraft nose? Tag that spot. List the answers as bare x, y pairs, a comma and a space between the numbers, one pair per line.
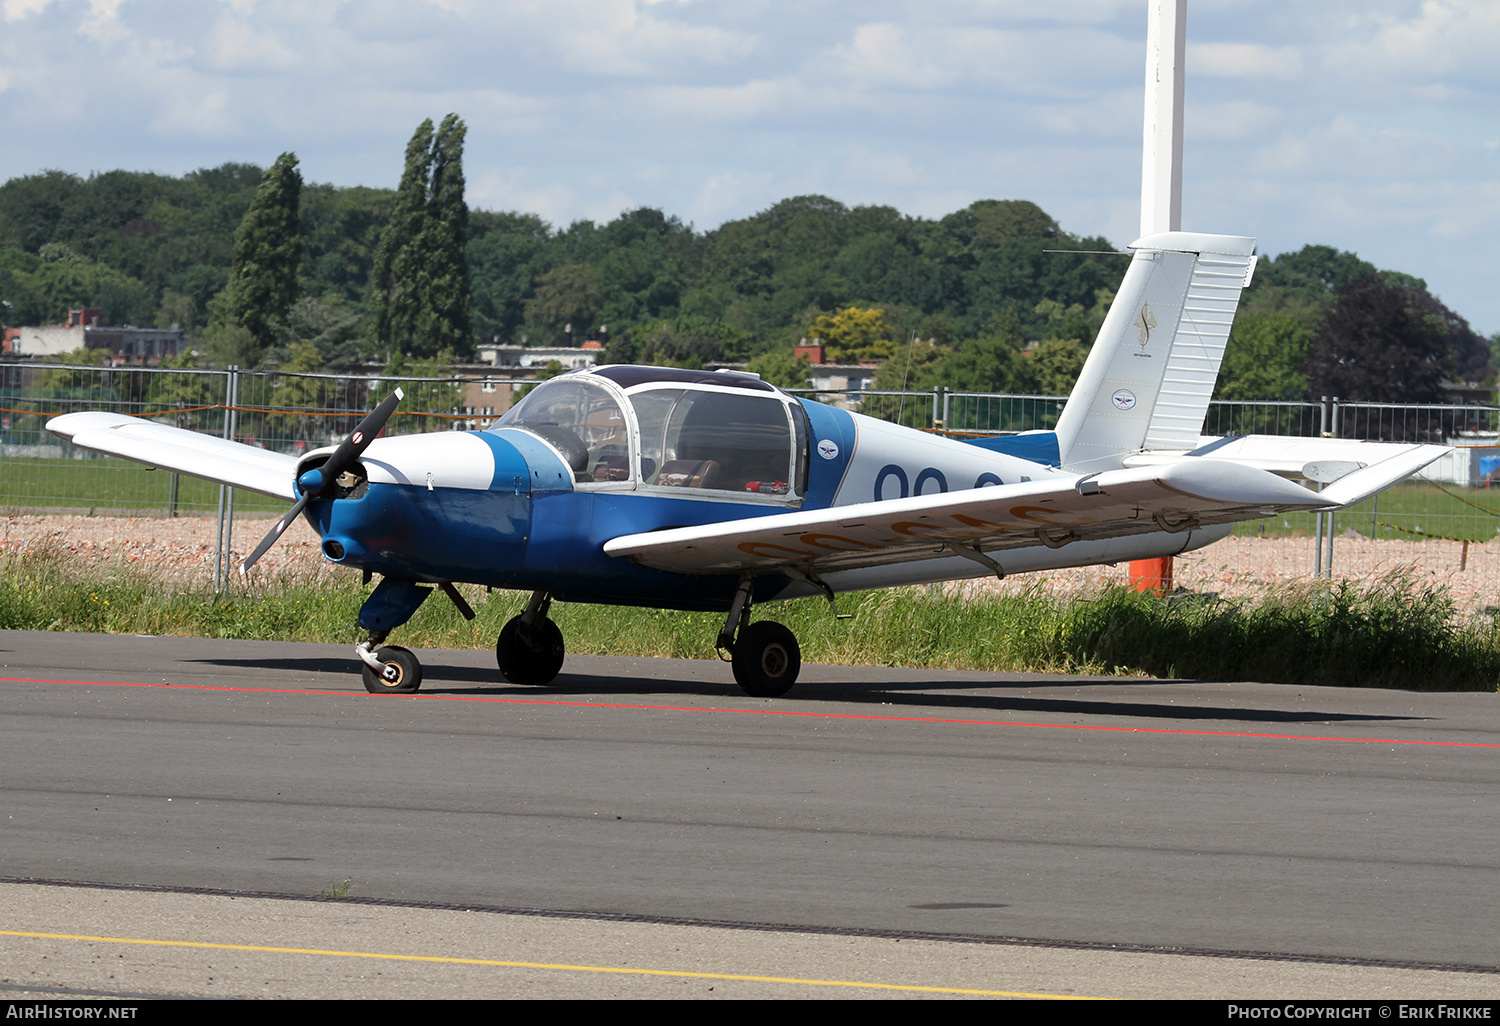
442, 506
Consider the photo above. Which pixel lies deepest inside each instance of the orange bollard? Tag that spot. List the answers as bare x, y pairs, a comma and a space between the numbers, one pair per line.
1153, 575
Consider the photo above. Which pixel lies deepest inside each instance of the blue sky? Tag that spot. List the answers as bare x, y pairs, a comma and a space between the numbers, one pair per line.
1369, 125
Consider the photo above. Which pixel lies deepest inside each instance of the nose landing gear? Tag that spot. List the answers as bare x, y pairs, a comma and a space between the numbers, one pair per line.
530, 648
389, 670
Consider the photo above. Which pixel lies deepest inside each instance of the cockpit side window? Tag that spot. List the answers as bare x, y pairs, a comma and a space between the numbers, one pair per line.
722, 441
581, 421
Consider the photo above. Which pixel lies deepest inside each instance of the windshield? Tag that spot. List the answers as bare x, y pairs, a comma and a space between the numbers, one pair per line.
581, 421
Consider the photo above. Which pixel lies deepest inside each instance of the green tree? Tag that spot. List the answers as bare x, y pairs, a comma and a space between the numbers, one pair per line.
1382, 342
72, 381
990, 363
1265, 357
569, 295
299, 394
176, 310
420, 283
394, 280
853, 335
225, 341
189, 393
267, 252
448, 303
780, 369
690, 342
913, 367
61, 279
1050, 367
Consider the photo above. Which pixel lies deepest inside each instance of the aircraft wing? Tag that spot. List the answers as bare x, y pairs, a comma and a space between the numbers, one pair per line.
187, 452
1054, 511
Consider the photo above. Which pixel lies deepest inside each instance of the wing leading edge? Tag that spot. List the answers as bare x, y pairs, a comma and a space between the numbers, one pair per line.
1180, 496
187, 452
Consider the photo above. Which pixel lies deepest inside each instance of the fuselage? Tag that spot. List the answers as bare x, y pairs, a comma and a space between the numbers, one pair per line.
590, 456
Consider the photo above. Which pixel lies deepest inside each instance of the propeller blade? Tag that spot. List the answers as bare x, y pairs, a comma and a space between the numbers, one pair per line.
364, 433
275, 533
313, 482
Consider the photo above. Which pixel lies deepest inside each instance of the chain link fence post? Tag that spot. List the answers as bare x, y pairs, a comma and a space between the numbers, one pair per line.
226, 494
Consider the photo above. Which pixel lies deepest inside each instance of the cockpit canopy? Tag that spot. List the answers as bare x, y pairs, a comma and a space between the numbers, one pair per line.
658, 428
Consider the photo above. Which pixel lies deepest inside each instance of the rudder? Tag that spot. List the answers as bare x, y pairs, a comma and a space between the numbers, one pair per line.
1151, 372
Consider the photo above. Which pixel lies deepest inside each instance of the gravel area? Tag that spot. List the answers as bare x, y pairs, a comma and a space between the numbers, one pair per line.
179, 550
182, 551
1249, 567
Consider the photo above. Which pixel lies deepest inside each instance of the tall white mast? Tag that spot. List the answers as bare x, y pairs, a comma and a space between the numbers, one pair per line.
1161, 160
1161, 177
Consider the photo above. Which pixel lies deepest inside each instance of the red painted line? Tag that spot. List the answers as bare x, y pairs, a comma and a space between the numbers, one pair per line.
770, 712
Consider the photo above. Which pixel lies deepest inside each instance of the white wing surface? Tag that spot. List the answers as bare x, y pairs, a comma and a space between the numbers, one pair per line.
1181, 496
187, 452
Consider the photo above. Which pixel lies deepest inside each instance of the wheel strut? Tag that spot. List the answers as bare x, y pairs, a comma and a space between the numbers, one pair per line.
738, 618
366, 650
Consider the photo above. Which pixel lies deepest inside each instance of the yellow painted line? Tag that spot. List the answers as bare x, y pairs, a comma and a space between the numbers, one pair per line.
538, 965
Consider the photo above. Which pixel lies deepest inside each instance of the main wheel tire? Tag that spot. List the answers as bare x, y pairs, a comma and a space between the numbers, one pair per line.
402, 674
531, 657
766, 659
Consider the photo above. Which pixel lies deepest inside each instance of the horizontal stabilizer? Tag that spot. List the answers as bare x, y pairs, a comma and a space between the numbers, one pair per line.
1356, 470
187, 452
1362, 484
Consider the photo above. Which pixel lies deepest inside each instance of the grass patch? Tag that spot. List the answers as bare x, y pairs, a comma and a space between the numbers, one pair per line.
100, 484
1392, 632
1406, 512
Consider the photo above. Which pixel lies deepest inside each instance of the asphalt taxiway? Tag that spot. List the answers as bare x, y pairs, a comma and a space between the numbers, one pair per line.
1352, 828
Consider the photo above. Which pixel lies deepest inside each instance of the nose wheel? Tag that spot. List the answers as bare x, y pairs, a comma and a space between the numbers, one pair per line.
399, 674
530, 648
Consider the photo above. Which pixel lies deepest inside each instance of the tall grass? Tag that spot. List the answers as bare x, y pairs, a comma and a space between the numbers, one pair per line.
1391, 632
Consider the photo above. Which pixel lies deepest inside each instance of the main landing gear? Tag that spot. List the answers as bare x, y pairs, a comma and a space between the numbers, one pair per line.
530, 647
764, 656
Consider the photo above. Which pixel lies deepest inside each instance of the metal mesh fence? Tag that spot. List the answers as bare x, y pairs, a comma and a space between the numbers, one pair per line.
1443, 523
289, 413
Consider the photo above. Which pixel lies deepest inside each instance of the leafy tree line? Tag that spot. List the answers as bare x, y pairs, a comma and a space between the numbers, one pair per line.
262, 269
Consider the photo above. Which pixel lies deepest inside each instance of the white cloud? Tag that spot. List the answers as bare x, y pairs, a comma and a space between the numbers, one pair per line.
1228, 119
510, 190
1024, 61
1243, 60
1439, 41
15, 10
202, 115
740, 102
236, 47
103, 23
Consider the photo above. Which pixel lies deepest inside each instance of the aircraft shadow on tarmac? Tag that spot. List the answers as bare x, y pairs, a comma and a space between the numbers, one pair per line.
911, 695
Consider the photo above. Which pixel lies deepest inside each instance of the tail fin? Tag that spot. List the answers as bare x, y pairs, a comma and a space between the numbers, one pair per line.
1148, 379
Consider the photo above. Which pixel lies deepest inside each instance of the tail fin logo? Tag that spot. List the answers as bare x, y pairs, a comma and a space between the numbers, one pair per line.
1144, 322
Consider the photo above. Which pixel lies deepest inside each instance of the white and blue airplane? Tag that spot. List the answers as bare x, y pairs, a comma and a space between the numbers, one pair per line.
696, 490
